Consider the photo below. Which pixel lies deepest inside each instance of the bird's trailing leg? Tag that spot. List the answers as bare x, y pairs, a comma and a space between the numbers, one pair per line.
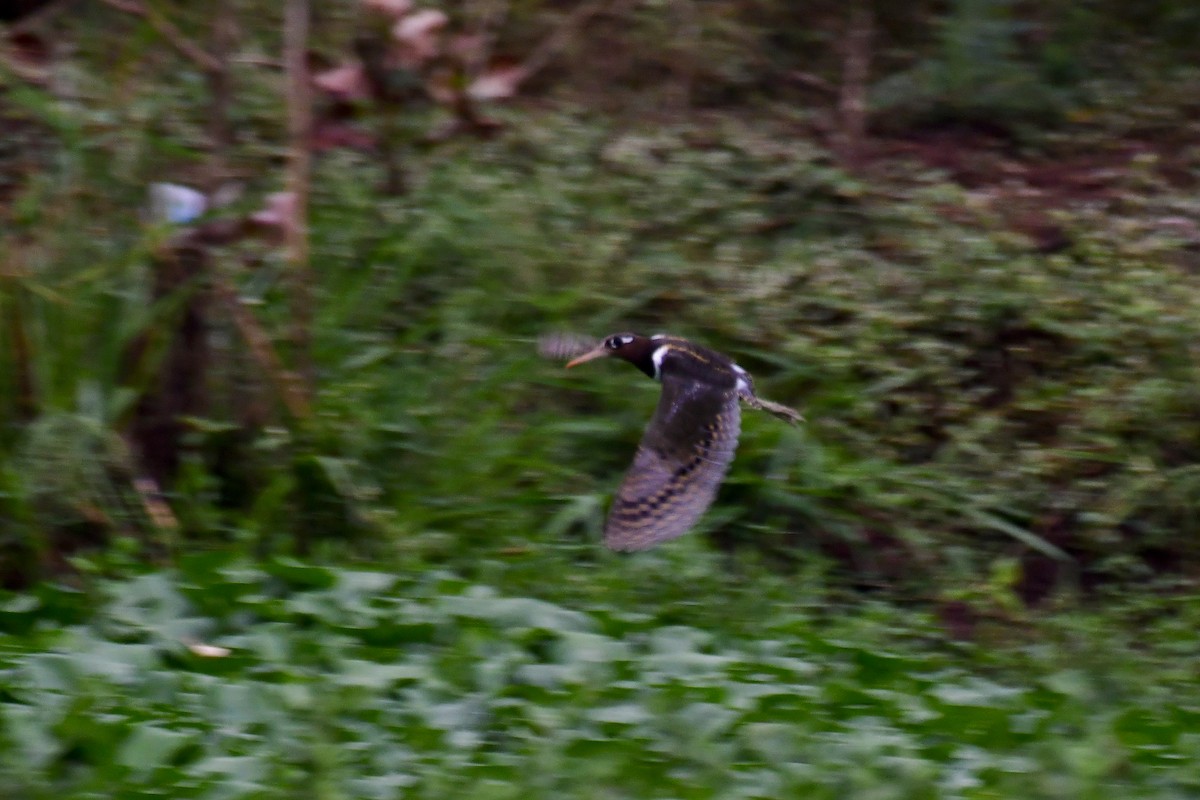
785, 413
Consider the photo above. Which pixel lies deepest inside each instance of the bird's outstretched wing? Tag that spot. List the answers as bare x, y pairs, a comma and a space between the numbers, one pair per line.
680, 462
559, 345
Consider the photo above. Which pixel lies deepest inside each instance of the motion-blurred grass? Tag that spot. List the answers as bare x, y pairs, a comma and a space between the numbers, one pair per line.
1000, 448
350, 683
982, 400
969, 397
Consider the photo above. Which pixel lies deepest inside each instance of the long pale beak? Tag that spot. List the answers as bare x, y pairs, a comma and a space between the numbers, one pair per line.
599, 352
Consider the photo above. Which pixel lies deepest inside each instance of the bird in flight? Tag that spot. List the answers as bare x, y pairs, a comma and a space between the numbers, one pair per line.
690, 441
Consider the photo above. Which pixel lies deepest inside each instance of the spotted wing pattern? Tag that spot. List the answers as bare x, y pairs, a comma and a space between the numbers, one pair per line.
680, 462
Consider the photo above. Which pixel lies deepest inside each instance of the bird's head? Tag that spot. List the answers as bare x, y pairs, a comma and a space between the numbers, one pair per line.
637, 350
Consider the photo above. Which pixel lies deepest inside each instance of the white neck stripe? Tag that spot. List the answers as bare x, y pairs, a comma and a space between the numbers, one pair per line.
657, 359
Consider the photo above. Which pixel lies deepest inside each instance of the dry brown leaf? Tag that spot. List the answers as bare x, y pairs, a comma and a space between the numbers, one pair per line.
208, 650
332, 134
419, 35
28, 56
467, 47
441, 85
278, 212
389, 8
497, 82
347, 82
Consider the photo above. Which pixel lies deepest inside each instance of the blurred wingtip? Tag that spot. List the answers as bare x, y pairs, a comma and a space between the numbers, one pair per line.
561, 345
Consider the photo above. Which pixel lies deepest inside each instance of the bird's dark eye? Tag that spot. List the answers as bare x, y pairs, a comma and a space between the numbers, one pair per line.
614, 342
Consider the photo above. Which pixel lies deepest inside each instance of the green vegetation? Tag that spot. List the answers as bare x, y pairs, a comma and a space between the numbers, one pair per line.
346, 683
972, 573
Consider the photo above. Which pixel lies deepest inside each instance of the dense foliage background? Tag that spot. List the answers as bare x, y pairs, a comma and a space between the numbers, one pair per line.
296, 510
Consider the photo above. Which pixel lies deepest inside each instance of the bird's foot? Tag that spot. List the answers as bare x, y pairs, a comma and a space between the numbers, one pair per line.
785, 413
